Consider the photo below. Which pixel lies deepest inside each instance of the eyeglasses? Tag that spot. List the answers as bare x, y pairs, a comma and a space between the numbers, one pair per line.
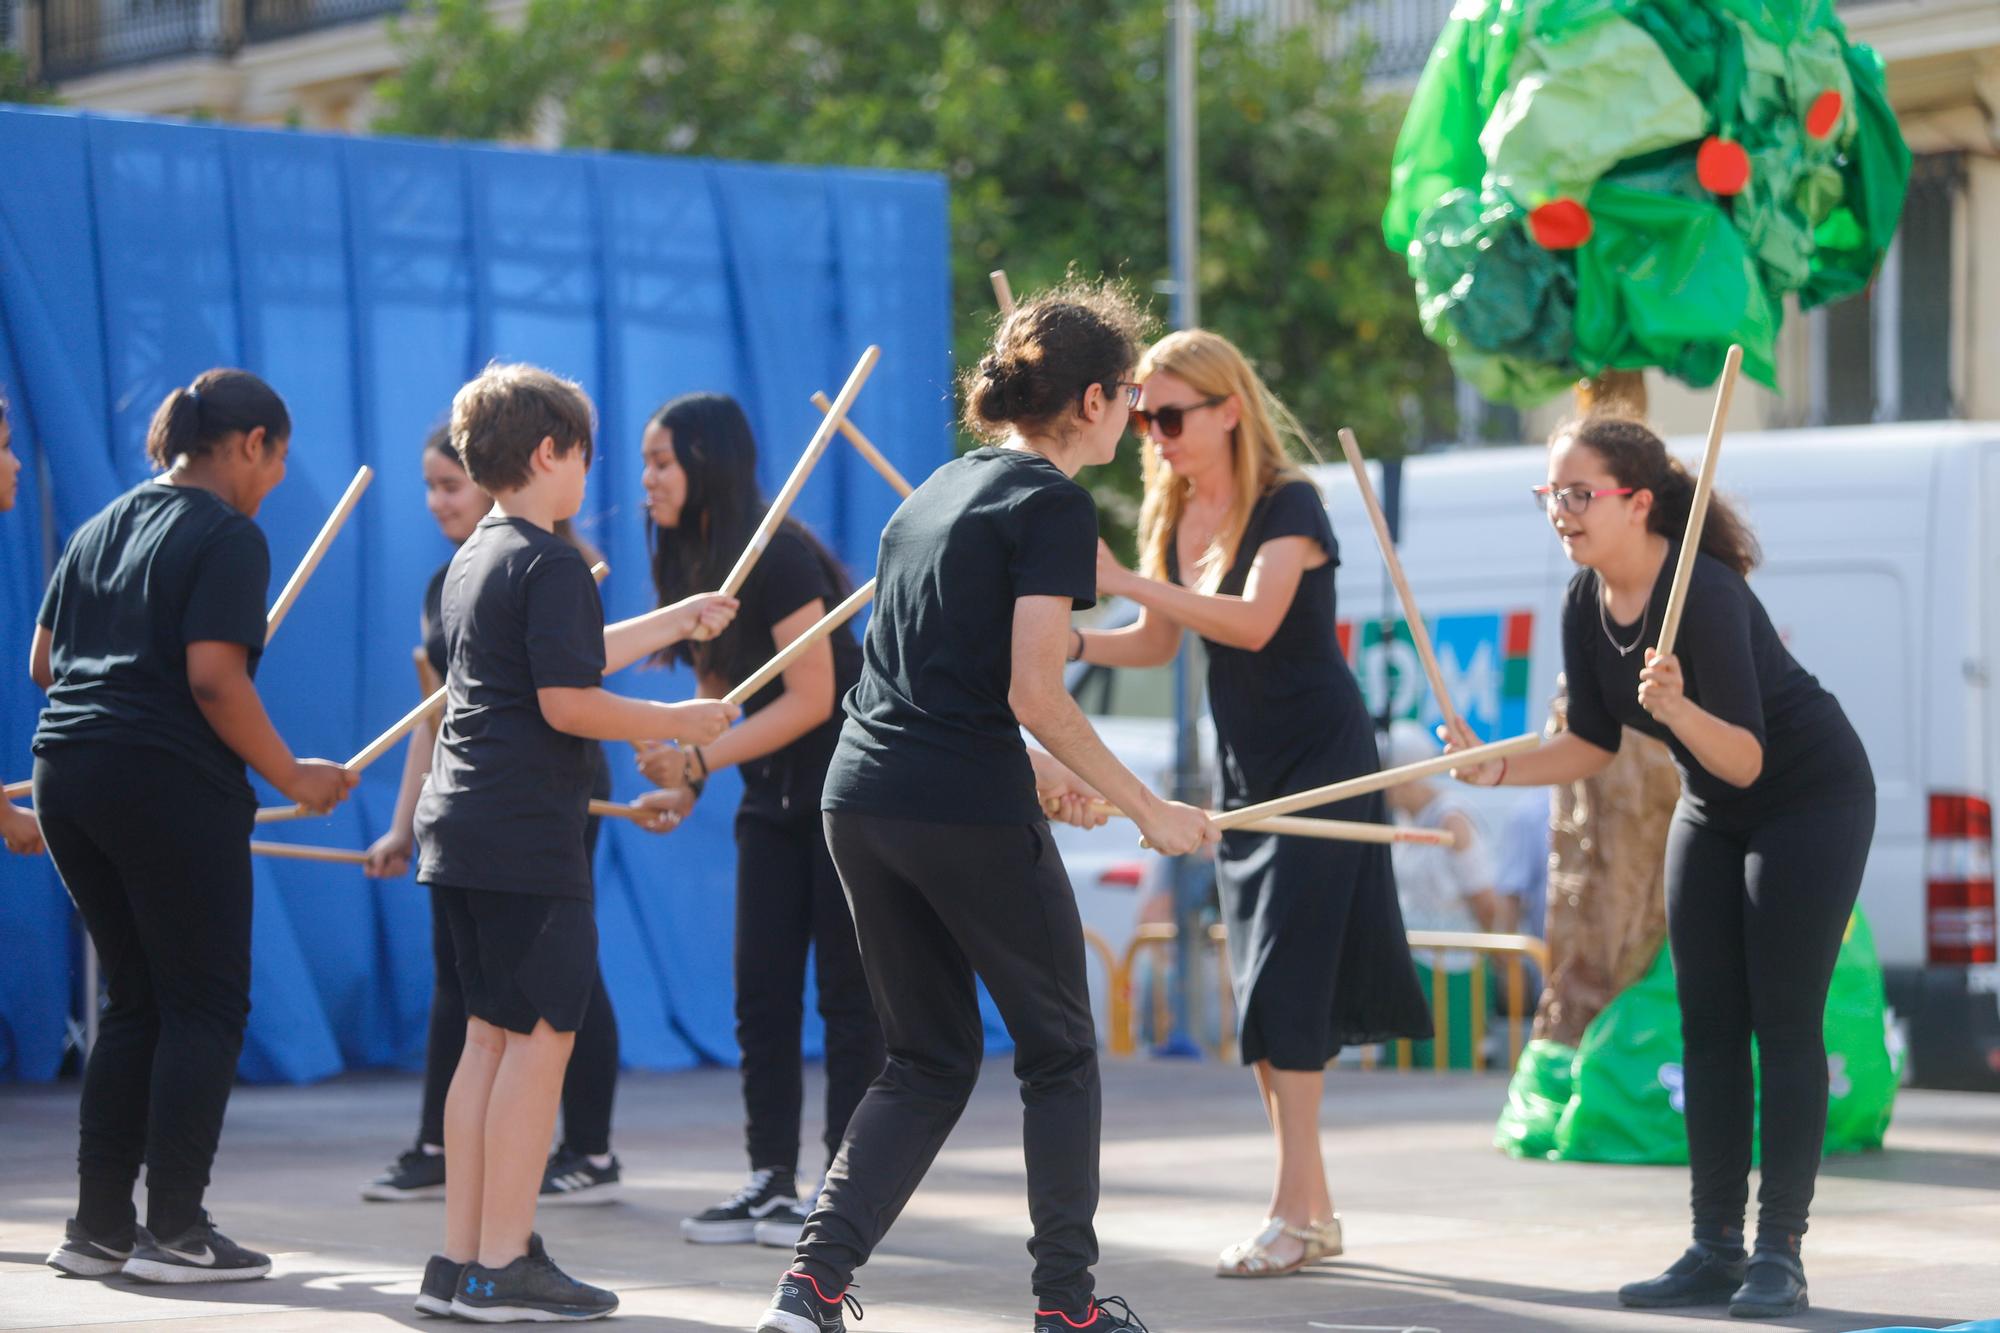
1573, 499
1132, 391
1170, 420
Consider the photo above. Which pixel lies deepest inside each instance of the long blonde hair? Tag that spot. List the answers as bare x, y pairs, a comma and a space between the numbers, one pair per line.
1212, 366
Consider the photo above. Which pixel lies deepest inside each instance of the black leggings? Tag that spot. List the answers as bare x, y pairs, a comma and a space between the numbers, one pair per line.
157, 860
1755, 917
788, 899
933, 905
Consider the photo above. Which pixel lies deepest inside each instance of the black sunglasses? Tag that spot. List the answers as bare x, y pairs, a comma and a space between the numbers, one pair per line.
1170, 420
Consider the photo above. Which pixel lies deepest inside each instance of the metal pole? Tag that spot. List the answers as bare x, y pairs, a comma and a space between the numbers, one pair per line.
1188, 873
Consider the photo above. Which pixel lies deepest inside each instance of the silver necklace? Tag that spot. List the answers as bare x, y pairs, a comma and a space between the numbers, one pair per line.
1604, 621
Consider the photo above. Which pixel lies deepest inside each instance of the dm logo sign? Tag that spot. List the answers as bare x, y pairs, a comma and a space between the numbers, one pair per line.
1484, 657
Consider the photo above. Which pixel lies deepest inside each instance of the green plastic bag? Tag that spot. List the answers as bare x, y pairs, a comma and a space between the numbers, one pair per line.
1666, 281
1618, 1097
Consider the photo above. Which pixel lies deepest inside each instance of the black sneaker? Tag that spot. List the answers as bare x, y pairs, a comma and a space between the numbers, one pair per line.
801, 1306
441, 1277
529, 1290
1700, 1277
83, 1255
734, 1220
781, 1229
570, 1178
1774, 1285
415, 1175
199, 1254
1101, 1320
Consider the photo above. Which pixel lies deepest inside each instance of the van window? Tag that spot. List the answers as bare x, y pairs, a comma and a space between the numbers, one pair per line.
1866, 665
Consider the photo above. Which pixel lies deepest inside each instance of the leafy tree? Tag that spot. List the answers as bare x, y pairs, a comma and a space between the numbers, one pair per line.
1048, 117
15, 85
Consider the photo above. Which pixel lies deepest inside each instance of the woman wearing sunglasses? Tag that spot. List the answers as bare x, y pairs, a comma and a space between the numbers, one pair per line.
1766, 849
1236, 547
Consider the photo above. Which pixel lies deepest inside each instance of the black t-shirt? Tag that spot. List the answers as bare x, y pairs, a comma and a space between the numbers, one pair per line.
929, 734
508, 797
786, 577
1734, 666
157, 569
432, 624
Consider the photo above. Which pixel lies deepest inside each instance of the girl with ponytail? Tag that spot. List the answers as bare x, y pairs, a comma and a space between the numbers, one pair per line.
1766, 849
147, 643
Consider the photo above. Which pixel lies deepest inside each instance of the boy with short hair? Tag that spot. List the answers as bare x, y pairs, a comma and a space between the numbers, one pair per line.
501, 825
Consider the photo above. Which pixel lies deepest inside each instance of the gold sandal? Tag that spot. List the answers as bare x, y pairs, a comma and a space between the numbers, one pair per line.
1325, 1243
1253, 1258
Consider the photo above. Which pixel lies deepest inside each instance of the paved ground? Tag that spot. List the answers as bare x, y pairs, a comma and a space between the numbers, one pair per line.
1443, 1233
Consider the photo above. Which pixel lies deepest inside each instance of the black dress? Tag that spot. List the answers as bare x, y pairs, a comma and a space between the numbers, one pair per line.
1316, 942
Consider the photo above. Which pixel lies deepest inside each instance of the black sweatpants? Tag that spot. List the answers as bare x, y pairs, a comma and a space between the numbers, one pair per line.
935, 904
1755, 917
788, 900
590, 1081
157, 860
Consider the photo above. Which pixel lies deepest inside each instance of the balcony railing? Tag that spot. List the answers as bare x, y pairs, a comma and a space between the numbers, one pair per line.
79, 37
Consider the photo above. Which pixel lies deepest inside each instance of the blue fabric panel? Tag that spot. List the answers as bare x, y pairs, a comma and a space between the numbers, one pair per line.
367, 279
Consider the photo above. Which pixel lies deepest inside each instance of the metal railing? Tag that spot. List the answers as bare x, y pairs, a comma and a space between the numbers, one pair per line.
1121, 1019
80, 37
265, 19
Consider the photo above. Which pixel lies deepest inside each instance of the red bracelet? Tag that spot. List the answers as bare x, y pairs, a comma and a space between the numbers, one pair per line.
1503, 772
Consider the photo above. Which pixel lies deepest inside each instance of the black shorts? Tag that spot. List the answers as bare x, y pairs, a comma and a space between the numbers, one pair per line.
522, 957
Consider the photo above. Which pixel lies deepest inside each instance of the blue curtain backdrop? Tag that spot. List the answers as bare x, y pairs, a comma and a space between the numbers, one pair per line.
367, 279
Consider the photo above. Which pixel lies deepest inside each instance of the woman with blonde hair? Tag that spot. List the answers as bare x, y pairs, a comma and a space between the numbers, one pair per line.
1235, 545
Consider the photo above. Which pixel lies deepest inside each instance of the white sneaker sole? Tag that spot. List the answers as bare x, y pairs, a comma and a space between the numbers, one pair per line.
434, 1305
583, 1198
777, 1321
521, 1314
83, 1265
719, 1233
387, 1194
779, 1235
152, 1270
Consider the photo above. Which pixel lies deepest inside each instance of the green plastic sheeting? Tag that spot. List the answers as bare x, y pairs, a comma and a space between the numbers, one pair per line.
1532, 144
1618, 1096
1501, 304
1607, 103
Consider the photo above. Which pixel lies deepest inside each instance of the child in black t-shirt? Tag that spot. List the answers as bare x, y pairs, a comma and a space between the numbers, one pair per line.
147, 643
501, 825
18, 829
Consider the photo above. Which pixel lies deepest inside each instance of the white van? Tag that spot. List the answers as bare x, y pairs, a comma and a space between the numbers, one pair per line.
1880, 573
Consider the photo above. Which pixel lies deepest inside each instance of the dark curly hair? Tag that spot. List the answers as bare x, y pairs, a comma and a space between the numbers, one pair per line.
1639, 459
1049, 352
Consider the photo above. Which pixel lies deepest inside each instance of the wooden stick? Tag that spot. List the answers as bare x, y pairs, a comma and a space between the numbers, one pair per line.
317, 551
1419, 634
867, 448
1670, 625
1354, 830
293, 852
21, 788
1373, 782
794, 483
1338, 830
1002, 292
822, 627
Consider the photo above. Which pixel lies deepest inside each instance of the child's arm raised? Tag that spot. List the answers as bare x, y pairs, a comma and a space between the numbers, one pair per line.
641, 636
219, 677
599, 715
